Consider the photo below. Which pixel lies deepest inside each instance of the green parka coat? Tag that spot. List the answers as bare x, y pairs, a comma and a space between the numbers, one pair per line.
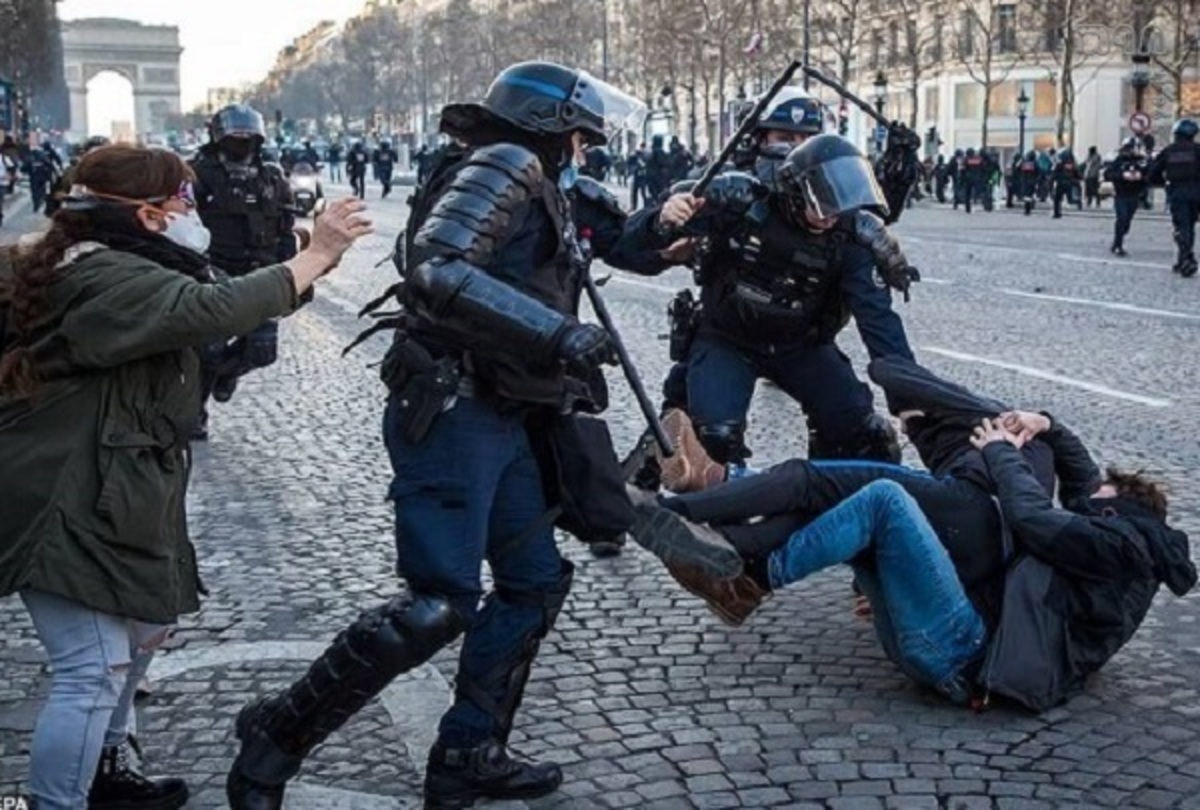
93, 469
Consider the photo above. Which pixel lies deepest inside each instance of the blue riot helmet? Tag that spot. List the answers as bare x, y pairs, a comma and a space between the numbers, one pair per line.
1185, 129
828, 176
545, 99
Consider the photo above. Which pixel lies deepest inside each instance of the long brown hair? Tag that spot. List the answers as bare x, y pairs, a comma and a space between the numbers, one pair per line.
131, 172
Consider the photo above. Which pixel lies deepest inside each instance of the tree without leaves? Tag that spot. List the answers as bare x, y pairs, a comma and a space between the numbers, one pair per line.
988, 48
1178, 23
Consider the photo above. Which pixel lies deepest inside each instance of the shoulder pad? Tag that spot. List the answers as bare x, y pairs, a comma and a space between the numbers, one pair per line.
474, 214
593, 191
520, 164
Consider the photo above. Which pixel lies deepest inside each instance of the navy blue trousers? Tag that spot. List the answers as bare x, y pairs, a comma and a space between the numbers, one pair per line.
471, 490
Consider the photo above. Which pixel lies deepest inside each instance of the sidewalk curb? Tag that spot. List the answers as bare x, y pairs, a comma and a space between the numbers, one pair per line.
1044, 209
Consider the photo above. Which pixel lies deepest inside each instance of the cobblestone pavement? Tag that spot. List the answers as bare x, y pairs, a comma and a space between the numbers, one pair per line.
639, 693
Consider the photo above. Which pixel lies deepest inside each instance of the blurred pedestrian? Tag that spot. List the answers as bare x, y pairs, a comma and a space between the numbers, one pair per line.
1177, 167
1065, 177
1127, 173
333, 156
1093, 167
356, 167
384, 160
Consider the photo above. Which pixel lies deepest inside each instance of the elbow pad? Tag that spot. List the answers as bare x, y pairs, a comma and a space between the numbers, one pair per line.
890, 261
458, 296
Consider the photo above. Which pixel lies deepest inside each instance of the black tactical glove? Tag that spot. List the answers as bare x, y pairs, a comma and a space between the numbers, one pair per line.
735, 192
890, 261
584, 347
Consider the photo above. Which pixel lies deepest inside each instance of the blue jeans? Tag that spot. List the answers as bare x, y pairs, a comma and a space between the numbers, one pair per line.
96, 660
925, 622
471, 490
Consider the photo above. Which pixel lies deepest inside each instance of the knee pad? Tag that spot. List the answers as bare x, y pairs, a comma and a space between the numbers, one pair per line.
406, 632
724, 441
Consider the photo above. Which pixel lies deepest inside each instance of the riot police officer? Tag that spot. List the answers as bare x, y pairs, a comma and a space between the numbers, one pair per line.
488, 360
1066, 177
974, 176
1027, 178
245, 203
357, 160
384, 159
780, 274
1177, 167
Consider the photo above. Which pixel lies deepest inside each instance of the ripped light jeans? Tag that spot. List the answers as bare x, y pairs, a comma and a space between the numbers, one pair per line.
96, 661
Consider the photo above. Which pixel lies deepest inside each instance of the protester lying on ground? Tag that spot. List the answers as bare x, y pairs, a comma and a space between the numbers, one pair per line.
929, 550
100, 320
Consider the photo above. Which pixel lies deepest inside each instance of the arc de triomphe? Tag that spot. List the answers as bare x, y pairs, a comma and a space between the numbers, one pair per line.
146, 55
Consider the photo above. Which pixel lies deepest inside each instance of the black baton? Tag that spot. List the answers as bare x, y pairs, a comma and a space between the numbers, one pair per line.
631, 373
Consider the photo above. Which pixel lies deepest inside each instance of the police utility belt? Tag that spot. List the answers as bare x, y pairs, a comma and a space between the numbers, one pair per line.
423, 387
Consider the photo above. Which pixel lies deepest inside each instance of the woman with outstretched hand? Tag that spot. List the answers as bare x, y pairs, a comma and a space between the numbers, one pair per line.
100, 321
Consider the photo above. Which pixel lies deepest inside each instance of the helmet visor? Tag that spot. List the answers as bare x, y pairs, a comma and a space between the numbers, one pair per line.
840, 185
612, 110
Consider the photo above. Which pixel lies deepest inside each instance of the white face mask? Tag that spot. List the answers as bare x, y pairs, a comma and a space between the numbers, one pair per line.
188, 231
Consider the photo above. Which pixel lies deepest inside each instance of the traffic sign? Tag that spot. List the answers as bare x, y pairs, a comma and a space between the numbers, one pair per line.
881, 132
1140, 123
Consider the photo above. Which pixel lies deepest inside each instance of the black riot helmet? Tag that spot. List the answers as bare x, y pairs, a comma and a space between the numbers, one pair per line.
1185, 129
94, 142
1129, 146
970, 151
237, 121
827, 176
545, 99
1066, 156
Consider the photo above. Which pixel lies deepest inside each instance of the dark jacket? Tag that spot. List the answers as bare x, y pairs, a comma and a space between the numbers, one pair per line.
1122, 185
1109, 557
92, 468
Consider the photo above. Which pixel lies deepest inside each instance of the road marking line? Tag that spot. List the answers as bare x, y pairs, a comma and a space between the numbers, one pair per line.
649, 285
1167, 313
1114, 262
1029, 371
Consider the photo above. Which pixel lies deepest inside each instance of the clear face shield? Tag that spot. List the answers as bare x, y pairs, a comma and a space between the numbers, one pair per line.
614, 111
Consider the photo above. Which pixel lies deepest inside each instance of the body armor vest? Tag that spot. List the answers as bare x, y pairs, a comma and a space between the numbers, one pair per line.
1182, 163
775, 283
243, 206
556, 281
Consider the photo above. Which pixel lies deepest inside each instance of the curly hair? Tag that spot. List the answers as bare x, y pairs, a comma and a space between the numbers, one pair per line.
131, 172
1136, 487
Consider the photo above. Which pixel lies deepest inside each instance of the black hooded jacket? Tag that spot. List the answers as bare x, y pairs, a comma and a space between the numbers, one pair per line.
1109, 557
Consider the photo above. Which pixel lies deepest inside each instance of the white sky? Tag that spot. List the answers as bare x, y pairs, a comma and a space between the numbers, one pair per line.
225, 42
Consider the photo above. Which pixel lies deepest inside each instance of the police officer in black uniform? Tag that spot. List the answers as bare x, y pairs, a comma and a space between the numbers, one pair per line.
1177, 167
357, 160
1127, 173
488, 360
1066, 177
384, 158
246, 204
779, 279
974, 176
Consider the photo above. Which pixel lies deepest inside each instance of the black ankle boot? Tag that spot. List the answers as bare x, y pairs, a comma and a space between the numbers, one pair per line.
119, 786
457, 777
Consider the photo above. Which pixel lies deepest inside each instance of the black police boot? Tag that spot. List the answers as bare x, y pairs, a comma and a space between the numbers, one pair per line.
640, 467
277, 733
607, 547
224, 387
1188, 267
1118, 250
458, 777
118, 785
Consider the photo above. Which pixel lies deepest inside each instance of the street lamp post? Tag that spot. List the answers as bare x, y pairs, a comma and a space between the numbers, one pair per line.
880, 100
807, 40
1140, 78
1022, 112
